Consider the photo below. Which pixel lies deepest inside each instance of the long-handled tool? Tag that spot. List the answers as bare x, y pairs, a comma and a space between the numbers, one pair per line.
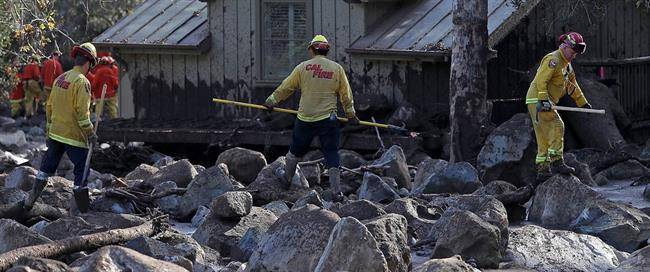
81, 194
365, 123
573, 109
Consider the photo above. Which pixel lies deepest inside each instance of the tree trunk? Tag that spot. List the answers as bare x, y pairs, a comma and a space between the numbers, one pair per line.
81, 243
468, 80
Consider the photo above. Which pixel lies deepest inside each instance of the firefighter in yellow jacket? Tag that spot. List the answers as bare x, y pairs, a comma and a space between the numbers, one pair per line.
320, 81
69, 128
555, 78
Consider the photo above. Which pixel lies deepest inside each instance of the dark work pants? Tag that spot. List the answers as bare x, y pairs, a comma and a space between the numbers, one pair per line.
328, 132
53, 156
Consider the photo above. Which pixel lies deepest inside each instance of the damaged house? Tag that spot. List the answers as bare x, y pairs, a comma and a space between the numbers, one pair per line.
178, 55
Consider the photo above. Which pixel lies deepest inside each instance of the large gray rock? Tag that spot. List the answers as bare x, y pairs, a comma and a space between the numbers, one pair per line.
351, 247
464, 233
451, 264
427, 168
247, 245
22, 177
244, 164
11, 195
29, 264
540, 249
277, 207
267, 187
626, 170
58, 193
142, 172
69, 227
390, 232
582, 169
360, 209
509, 152
563, 202
224, 234
205, 187
637, 261
420, 220
375, 189
295, 242
233, 205
112, 205
116, 258
459, 178
14, 235
175, 248
182, 172
112, 220
395, 160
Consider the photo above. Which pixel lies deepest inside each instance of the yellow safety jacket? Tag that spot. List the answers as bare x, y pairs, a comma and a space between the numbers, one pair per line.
555, 78
320, 80
68, 109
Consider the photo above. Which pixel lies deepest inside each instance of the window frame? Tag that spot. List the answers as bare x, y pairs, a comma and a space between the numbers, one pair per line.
260, 80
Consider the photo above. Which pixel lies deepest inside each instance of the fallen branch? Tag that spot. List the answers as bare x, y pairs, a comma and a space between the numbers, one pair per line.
84, 242
16, 212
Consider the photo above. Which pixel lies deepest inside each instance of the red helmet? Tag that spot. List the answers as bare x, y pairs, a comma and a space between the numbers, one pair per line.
575, 41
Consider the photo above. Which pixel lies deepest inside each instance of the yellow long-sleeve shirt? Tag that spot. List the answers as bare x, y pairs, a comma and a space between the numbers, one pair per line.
554, 79
320, 80
68, 109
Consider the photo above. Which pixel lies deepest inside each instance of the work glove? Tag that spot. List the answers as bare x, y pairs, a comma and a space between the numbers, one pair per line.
269, 106
544, 105
587, 106
353, 120
92, 139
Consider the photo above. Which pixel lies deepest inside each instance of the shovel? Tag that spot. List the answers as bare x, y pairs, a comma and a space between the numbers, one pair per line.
81, 194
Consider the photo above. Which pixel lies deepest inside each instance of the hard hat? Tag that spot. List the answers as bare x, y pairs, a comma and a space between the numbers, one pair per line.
319, 42
87, 50
110, 59
575, 41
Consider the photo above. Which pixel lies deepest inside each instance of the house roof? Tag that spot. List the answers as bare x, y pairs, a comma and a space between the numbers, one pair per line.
164, 24
424, 28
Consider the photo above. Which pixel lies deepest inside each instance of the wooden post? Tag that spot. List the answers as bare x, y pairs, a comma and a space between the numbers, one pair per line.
468, 80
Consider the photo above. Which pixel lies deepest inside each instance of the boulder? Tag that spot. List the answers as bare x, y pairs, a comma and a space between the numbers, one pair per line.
182, 172
58, 193
509, 152
582, 169
637, 261
11, 195
69, 227
496, 187
464, 233
112, 205
312, 174
487, 208
224, 234
295, 242
625, 170
163, 161
278, 207
232, 205
142, 172
22, 177
459, 178
15, 138
14, 235
541, 249
312, 197
395, 160
390, 232
247, 244
419, 219
563, 202
205, 187
267, 187
112, 220
199, 217
28, 264
116, 258
169, 204
244, 164
427, 168
178, 252
375, 189
351, 247
454, 263
360, 209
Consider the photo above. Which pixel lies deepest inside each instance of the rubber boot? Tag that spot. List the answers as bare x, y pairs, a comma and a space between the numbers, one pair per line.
543, 173
39, 185
559, 167
335, 183
286, 174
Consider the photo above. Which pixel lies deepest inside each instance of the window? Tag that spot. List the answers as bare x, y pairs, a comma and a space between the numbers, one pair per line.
285, 30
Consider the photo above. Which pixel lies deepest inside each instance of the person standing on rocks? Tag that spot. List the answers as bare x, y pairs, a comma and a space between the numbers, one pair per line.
320, 81
554, 79
51, 69
69, 129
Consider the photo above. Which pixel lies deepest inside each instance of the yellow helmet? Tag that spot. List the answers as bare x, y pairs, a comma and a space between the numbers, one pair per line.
86, 49
319, 42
